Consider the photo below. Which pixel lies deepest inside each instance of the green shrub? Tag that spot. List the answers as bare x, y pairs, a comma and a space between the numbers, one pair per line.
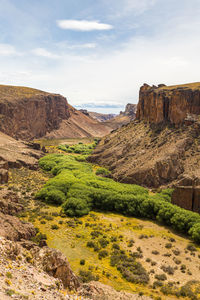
102, 172
54, 227
51, 196
76, 207
161, 277
82, 262
75, 181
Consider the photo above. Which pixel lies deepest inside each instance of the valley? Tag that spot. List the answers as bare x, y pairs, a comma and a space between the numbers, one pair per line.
170, 260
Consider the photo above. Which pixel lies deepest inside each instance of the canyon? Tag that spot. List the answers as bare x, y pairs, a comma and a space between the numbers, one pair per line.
156, 147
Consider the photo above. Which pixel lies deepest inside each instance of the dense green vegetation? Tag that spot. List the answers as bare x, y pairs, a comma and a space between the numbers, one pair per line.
79, 148
80, 190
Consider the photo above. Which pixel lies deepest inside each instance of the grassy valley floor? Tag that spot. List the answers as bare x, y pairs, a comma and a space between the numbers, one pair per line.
172, 261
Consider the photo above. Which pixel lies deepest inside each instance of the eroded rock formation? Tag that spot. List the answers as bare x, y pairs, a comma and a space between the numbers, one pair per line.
168, 103
28, 113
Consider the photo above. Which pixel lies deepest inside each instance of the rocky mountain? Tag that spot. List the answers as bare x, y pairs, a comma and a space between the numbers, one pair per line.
161, 147
98, 116
114, 121
130, 111
123, 118
168, 103
27, 113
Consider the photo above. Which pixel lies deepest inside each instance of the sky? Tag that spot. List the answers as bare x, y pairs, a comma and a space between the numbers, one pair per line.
98, 53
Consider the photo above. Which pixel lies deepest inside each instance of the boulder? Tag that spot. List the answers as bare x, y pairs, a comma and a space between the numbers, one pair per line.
13, 229
56, 264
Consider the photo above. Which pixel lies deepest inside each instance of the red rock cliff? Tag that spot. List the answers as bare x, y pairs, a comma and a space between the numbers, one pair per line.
27, 113
168, 104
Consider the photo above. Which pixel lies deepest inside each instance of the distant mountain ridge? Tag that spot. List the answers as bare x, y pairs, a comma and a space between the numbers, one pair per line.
112, 120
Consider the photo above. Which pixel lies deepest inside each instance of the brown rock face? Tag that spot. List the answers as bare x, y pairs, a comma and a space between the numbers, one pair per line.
9, 203
13, 229
33, 117
187, 197
55, 264
27, 113
168, 104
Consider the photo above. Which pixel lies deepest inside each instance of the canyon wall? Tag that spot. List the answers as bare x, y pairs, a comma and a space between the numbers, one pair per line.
168, 103
27, 114
28, 118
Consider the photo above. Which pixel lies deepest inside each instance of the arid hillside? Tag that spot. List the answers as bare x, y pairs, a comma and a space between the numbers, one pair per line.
162, 146
27, 113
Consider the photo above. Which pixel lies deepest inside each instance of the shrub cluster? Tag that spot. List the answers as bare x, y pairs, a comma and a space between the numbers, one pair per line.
79, 148
130, 269
80, 190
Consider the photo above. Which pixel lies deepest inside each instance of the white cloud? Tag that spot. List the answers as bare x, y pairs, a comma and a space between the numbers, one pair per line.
83, 46
44, 53
122, 8
83, 25
7, 50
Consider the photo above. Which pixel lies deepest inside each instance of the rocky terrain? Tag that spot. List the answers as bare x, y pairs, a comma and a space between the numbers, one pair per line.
27, 113
151, 151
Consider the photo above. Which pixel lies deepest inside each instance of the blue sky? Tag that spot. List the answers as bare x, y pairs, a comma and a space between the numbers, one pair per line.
99, 53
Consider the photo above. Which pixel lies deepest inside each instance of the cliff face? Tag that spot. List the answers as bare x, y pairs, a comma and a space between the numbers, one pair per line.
33, 117
168, 104
27, 113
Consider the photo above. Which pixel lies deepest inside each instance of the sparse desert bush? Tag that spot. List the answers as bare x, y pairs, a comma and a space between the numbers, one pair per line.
168, 245
87, 276
161, 277
82, 262
103, 254
54, 227
168, 269
130, 269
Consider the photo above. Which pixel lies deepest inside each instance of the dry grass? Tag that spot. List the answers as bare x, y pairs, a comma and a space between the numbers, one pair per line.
193, 86
14, 93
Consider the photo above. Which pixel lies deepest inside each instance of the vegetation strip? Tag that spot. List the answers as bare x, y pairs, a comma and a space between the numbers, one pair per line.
79, 190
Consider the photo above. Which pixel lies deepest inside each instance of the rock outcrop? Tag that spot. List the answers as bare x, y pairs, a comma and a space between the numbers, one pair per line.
55, 264
27, 113
22, 275
9, 203
187, 197
15, 154
171, 104
13, 229
123, 118
130, 111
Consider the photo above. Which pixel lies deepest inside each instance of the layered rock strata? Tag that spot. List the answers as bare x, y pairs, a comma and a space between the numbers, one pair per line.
171, 104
